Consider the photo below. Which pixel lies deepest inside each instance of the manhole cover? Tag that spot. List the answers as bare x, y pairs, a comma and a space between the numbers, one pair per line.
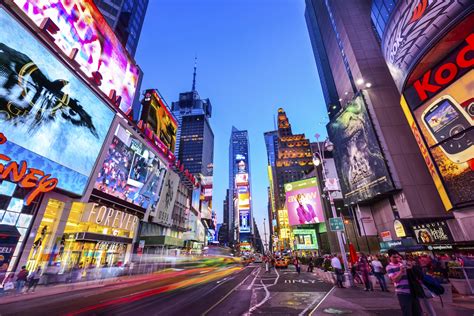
337, 311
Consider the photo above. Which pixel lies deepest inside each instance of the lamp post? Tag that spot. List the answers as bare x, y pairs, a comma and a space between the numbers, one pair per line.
265, 245
318, 159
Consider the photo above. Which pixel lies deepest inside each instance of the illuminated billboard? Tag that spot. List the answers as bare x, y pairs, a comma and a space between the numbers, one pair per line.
80, 32
156, 118
131, 171
411, 28
439, 106
305, 239
51, 119
359, 160
303, 202
244, 222
241, 179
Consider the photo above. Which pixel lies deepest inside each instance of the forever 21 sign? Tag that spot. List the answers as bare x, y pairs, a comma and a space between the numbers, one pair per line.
110, 217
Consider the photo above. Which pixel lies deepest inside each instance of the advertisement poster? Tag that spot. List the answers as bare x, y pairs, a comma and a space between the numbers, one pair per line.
305, 239
78, 29
303, 202
432, 233
444, 121
361, 165
168, 197
413, 24
51, 119
157, 117
9, 237
131, 171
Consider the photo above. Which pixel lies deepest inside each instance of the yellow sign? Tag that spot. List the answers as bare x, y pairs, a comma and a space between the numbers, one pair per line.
399, 229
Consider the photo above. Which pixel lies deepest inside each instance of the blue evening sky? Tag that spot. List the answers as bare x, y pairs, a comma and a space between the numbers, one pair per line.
254, 56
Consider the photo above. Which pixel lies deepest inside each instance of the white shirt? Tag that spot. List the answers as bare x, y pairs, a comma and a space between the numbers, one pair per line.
335, 263
377, 265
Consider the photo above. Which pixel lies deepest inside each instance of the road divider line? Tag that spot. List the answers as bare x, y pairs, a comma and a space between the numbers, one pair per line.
320, 302
253, 281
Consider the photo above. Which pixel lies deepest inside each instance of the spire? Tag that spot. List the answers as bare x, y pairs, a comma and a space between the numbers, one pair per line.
194, 74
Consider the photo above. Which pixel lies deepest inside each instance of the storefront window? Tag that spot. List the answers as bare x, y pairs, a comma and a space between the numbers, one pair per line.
47, 247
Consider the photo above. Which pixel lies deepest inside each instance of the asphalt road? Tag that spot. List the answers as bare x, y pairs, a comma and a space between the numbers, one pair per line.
199, 292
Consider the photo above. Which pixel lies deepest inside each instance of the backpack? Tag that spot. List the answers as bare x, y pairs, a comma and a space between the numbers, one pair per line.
433, 285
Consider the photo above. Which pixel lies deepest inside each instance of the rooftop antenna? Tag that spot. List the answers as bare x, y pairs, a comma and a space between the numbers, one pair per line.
194, 74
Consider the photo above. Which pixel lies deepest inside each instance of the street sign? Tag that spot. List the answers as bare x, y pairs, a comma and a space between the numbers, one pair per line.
336, 224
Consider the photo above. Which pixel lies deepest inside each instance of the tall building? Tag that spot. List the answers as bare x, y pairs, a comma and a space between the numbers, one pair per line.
126, 18
379, 165
292, 163
195, 138
271, 143
224, 232
240, 204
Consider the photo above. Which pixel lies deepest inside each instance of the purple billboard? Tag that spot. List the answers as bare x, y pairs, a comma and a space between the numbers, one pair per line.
303, 202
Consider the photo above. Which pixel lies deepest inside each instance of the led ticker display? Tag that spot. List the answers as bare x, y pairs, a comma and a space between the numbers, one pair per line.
131, 171
78, 29
360, 163
157, 119
303, 202
305, 239
51, 119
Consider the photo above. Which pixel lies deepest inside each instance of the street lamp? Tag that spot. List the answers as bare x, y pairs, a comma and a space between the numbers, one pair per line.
318, 159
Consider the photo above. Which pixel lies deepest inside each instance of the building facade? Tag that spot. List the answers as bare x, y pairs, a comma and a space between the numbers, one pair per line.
378, 160
126, 18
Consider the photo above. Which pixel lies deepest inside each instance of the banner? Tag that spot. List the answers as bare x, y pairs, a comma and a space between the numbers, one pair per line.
303, 202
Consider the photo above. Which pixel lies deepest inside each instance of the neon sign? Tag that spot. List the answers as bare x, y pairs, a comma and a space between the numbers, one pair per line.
27, 178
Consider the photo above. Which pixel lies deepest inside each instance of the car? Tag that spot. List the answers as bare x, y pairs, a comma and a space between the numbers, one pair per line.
281, 263
258, 258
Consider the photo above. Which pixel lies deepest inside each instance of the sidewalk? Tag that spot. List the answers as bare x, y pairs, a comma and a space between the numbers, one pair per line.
43, 291
356, 301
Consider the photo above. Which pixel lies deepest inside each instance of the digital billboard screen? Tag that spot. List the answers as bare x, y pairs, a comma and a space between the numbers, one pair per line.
305, 239
244, 221
131, 171
303, 202
157, 118
445, 122
359, 160
51, 119
78, 29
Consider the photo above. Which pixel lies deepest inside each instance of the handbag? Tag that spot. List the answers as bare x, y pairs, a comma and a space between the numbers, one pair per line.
8, 286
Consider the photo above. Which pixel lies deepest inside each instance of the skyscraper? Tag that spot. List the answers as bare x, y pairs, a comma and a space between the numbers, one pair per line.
195, 138
379, 166
240, 205
292, 163
126, 18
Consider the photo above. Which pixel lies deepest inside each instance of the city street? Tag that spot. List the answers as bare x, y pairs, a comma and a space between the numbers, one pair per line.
231, 291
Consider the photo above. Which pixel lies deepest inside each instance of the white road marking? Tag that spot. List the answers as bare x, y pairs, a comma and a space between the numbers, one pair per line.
253, 281
325, 296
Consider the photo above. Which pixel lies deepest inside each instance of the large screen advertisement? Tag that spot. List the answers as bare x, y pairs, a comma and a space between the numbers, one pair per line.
78, 29
131, 171
359, 160
445, 122
158, 119
303, 202
51, 119
305, 239
412, 26
244, 221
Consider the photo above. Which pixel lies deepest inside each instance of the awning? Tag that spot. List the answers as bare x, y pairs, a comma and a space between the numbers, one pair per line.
162, 241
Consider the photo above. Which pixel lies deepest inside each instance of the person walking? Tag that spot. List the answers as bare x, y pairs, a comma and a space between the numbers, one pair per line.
397, 272
337, 266
296, 262
378, 269
364, 269
21, 278
310, 264
34, 278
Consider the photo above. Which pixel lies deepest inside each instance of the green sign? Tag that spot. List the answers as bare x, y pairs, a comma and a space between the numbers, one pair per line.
336, 224
302, 184
305, 239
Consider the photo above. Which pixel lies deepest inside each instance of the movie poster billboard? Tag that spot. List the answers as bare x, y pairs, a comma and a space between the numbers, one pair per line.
441, 115
131, 171
303, 202
168, 198
156, 117
412, 26
50, 118
433, 232
360, 163
305, 239
81, 33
